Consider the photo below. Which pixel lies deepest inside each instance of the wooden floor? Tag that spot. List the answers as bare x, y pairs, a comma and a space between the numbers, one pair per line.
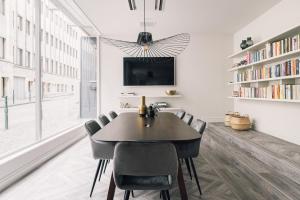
229, 168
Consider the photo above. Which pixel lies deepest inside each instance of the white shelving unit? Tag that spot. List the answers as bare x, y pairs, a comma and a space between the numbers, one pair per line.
265, 80
268, 60
258, 46
265, 99
163, 96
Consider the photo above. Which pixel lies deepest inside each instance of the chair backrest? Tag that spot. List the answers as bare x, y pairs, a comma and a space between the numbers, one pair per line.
103, 120
180, 114
188, 118
92, 127
199, 126
102, 150
145, 166
113, 114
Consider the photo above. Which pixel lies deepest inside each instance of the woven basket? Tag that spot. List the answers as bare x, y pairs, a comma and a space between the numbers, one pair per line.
241, 123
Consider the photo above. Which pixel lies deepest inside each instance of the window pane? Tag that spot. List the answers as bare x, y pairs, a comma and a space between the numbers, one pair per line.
61, 75
17, 77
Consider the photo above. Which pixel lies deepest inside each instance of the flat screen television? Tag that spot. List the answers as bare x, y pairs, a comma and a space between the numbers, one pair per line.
148, 71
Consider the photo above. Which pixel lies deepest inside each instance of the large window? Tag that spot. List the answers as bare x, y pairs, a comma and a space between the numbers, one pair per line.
20, 56
22, 120
2, 7
2, 47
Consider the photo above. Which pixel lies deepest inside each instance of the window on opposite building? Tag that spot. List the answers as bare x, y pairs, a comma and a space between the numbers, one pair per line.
27, 59
19, 56
47, 38
20, 23
28, 27
2, 47
2, 7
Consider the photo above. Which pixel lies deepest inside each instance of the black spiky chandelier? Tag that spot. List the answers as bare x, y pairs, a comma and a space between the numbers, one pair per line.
145, 46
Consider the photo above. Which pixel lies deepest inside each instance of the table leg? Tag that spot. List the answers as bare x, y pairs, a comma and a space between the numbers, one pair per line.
181, 184
111, 189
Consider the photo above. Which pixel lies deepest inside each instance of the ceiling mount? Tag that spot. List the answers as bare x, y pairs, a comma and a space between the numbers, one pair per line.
158, 4
132, 5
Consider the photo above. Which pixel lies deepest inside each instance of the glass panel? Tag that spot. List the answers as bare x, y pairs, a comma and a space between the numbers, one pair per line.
17, 75
61, 50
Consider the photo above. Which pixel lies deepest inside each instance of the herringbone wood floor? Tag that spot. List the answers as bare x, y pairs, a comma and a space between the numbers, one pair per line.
69, 177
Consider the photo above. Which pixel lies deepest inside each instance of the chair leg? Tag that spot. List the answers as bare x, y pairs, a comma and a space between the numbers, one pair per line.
106, 163
95, 178
164, 195
195, 175
101, 170
127, 194
168, 194
187, 162
132, 193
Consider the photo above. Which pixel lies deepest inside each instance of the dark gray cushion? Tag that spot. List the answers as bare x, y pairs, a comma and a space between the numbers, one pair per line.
199, 126
113, 114
145, 166
101, 150
180, 114
187, 149
103, 120
188, 118
92, 127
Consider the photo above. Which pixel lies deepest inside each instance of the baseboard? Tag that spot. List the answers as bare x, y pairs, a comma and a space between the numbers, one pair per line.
14, 167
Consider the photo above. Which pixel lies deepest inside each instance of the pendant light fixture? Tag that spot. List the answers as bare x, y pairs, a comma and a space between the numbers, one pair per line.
146, 47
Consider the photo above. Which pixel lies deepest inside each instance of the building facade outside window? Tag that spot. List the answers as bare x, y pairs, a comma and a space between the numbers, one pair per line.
60, 73
19, 56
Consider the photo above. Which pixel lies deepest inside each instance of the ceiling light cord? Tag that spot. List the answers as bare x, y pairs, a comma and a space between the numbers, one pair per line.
144, 16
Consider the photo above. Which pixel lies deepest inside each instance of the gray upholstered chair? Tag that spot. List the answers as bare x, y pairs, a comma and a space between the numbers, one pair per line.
180, 114
101, 150
103, 120
113, 114
191, 150
136, 168
188, 118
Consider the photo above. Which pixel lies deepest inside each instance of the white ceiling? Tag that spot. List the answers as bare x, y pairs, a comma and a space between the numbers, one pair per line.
113, 17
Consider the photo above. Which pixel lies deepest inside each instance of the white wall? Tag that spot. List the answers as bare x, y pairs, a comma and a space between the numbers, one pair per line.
200, 77
278, 119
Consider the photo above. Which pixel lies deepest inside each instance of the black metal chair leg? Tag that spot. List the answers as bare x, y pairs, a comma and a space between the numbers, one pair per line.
188, 167
195, 175
132, 193
96, 176
106, 163
127, 194
168, 194
164, 196
101, 170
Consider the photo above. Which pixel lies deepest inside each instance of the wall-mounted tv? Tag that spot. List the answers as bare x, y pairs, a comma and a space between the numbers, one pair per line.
148, 71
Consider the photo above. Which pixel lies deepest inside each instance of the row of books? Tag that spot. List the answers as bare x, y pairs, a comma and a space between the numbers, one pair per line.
274, 49
290, 92
256, 56
283, 46
287, 68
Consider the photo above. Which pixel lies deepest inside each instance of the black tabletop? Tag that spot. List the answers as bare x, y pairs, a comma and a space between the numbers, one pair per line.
131, 127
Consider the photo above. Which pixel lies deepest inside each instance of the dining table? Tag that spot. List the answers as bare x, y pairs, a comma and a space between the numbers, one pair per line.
164, 127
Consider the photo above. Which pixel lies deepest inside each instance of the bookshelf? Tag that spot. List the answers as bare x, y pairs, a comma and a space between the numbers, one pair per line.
272, 69
266, 99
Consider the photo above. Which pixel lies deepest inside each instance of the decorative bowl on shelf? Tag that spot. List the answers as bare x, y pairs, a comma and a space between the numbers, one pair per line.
170, 92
